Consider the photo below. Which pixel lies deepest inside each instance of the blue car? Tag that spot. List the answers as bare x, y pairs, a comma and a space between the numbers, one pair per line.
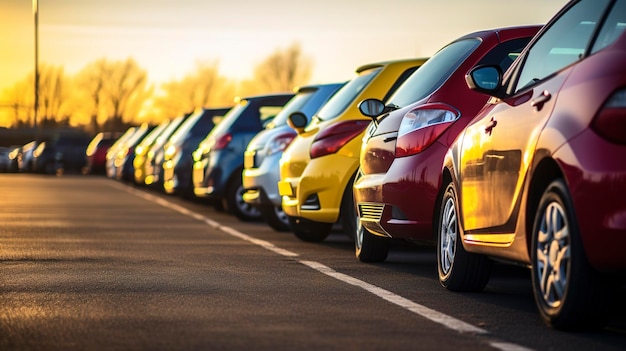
218, 161
177, 159
261, 171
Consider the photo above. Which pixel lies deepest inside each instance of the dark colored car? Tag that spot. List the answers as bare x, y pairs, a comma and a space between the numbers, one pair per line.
218, 161
153, 164
261, 171
141, 151
14, 155
116, 156
538, 178
61, 153
97, 151
124, 166
5, 161
402, 151
177, 160
25, 161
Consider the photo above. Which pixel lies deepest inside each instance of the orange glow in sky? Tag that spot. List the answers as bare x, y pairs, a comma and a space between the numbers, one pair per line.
167, 38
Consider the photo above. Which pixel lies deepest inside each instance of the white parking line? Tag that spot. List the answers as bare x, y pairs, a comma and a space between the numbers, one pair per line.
423, 311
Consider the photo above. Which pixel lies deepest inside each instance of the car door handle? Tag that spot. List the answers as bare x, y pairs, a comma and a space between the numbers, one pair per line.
491, 125
539, 101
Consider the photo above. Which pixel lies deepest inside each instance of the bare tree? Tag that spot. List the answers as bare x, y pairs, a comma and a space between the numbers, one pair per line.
115, 92
125, 91
204, 87
91, 80
19, 98
283, 70
52, 93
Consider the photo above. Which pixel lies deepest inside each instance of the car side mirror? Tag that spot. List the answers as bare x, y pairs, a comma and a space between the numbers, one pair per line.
297, 121
371, 108
485, 79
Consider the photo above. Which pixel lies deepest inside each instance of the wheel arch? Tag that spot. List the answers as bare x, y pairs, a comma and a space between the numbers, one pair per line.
446, 177
546, 171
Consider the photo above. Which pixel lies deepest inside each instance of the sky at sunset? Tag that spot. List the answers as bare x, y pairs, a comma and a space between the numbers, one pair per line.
167, 38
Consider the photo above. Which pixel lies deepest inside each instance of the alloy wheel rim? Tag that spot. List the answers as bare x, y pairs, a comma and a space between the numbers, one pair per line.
245, 207
448, 232
359, 233
553, 254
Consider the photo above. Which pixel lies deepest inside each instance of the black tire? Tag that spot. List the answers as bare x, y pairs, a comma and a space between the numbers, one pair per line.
186, 189
569, 293
310, 231
50, 167
235, 204
347, 213
458, 269
218, 205
276, 218
370, 247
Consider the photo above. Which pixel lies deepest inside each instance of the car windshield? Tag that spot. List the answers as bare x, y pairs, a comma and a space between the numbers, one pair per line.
229, 118
295, 104
342, 99
164, 137
181, 133
434, 72
138, 135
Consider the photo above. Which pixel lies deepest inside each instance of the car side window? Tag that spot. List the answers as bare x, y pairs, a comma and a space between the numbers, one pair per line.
613, 26
562, 44
266, 113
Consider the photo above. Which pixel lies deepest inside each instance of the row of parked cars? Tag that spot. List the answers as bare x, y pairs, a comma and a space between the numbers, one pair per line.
506, 145
54, 152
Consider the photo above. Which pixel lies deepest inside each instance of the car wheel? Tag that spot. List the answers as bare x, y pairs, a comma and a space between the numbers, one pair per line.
186, 188
235, 204
370, 247
569, 294
458, 269
310, 231
50, 168
275, 217
348, 214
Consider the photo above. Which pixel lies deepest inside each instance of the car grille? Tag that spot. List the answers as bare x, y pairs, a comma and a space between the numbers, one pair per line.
371, 211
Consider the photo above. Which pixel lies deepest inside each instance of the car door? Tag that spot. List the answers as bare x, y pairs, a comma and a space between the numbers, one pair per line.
499, 145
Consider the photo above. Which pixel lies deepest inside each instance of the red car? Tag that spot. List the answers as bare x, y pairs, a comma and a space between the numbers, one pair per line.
97, 150
402, 153
538, 178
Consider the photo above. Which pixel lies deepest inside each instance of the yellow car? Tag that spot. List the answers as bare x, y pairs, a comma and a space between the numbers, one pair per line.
141, 152
318, 167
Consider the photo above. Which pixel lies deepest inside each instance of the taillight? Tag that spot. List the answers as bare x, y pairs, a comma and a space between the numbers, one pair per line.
330, 140
610, 122
279, 143
222, 142
422, 126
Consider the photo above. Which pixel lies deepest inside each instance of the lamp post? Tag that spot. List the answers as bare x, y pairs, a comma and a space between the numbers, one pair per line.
36, 15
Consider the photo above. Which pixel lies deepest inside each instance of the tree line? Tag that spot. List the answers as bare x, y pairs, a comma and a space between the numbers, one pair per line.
110, 95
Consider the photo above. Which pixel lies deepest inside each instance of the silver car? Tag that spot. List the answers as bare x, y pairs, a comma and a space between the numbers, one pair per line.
261, 171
